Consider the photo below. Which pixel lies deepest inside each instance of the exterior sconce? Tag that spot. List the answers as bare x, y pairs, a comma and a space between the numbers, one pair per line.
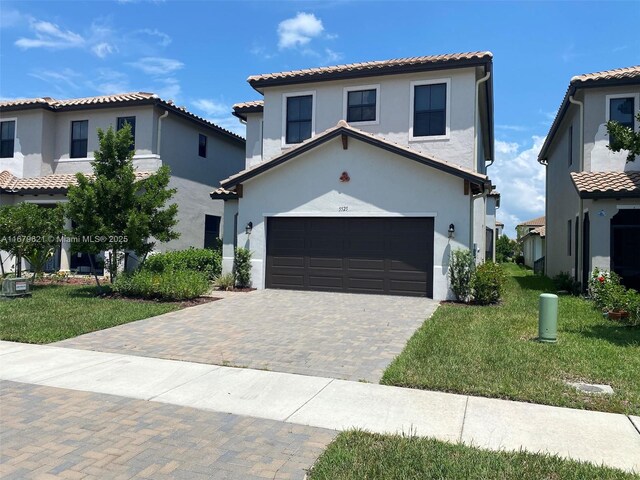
248, 228
452, 230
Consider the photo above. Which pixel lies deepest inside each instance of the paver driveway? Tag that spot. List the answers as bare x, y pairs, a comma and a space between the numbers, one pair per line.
346, 336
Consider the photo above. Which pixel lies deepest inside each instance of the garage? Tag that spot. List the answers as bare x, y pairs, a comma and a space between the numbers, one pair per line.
392, 256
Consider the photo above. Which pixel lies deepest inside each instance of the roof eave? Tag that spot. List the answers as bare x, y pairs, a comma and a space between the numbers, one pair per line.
610, 195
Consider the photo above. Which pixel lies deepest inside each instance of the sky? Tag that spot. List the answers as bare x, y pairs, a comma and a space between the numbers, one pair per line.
200, 53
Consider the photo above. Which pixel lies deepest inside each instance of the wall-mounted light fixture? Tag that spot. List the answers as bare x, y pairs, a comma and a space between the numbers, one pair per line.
452, 230
248, 228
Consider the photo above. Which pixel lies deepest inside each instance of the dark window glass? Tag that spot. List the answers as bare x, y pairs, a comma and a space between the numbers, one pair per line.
299, 112
202, 146
430, 110
361, 106
131, 121
79, 137
211, 231
570, 145
621, 111
7, 138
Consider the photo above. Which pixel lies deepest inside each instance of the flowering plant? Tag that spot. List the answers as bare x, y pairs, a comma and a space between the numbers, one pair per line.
605, 290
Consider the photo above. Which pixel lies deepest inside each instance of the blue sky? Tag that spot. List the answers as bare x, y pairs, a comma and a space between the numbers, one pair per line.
200, 53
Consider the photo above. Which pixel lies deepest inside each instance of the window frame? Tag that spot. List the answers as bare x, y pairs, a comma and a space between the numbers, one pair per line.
206, 144
133, 128
287, 95
434, 81
15, 133
345, 103
636, 106
86, 155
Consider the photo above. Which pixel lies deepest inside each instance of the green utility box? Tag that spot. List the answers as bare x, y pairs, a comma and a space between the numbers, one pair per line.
548, 318
15, 288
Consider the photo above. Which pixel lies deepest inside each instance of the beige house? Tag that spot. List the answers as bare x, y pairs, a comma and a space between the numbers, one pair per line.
44, 142
593, 194
532, 236
363, 178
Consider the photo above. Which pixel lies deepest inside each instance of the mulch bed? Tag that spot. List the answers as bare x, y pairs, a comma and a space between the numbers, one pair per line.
183, 303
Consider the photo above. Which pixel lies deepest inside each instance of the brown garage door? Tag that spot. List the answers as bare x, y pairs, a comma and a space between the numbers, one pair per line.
359, 255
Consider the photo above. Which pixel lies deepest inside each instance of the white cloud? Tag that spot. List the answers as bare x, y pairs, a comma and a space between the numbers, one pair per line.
211, 107
13, 18
103, 49
168, 89
299, 30
157, 65
108, 81
59, 79
520, 179
163, 38
331, 56
50, 35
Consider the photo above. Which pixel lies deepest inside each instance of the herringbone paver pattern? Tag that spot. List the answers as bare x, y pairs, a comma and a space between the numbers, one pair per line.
346, 336
56, 433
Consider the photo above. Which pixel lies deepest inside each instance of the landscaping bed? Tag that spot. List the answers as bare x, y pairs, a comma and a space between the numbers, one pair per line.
492, 351
359, 455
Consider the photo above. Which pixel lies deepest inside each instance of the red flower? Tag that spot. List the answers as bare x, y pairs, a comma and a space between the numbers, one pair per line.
601, 278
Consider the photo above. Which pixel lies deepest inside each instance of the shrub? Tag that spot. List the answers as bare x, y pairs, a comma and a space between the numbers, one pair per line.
633, 307
461, 269
564, 281
225, 281
242, 267
488, 283
520, 260
167, 285
600, 284
202, 260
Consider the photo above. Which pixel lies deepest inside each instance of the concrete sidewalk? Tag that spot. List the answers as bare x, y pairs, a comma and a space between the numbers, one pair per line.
601, 438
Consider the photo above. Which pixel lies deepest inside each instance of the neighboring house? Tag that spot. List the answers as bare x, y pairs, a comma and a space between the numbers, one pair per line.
499, 229
46, 141
532, 236
593, 194
363, 178
491, 226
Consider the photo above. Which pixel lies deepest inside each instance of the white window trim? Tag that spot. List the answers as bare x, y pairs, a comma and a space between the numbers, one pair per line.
284, 115
345, 103
429, 138
636, 105
15, 135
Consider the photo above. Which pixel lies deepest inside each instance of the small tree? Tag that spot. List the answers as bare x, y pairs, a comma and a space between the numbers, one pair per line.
31, 232
505, 249
242, 267
113, 211
461, 267
622, 137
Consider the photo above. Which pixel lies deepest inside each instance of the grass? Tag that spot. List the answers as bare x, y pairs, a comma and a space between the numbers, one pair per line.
56, 312
359, 455
493, 352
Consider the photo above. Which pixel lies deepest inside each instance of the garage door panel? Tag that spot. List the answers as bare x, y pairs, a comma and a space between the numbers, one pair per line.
362, 255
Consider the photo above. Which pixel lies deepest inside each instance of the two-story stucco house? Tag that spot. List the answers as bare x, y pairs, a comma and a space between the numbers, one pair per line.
46, 141
364, 177
593, 194
532, 237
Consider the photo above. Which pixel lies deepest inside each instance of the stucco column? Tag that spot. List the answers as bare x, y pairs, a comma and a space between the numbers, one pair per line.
65, 250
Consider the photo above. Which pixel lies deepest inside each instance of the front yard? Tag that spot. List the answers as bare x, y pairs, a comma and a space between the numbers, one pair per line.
359, 455
56, 312
493, 352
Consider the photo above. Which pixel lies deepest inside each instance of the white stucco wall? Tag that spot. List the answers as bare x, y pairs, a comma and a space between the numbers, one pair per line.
394, 122
27, 156
381, 184
254, 139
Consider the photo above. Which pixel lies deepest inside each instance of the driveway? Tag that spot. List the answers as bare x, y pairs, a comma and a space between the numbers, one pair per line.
337, 335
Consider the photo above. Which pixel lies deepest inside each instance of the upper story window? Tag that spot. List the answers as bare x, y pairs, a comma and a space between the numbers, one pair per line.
361, 104
621, 110
202, 146
131, 121
430, 109
7, 138
299, 118
79, 138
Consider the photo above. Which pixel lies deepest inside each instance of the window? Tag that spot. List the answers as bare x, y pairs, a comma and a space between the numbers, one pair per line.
569, 238
299, 118
361, 105
211, 231
131, 121
79, 137
202, 146
570, 145
621, 111
7, 138
430, 110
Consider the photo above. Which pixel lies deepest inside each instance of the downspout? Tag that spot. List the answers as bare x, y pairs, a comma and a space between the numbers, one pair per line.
476, 166
164, 115
579, 273
477, 119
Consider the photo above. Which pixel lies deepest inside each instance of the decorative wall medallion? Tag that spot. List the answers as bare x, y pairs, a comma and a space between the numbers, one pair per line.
345, 177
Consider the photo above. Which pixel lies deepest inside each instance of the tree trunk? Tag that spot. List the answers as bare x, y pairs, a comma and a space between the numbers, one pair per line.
18, 265
95, 275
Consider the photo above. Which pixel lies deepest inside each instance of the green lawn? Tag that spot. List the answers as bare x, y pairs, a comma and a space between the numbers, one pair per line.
359, 455
56, 312
492, 351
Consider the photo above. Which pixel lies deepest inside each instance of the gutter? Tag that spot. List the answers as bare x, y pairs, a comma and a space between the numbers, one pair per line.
477, 119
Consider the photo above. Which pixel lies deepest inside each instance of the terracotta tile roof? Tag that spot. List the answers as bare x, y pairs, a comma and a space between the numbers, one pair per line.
536, 222
240, 110
116, 100
222, 193
494, 193
611, 184
542, 231
619, 75
369, 68
499, 224
344, 127
56, 182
